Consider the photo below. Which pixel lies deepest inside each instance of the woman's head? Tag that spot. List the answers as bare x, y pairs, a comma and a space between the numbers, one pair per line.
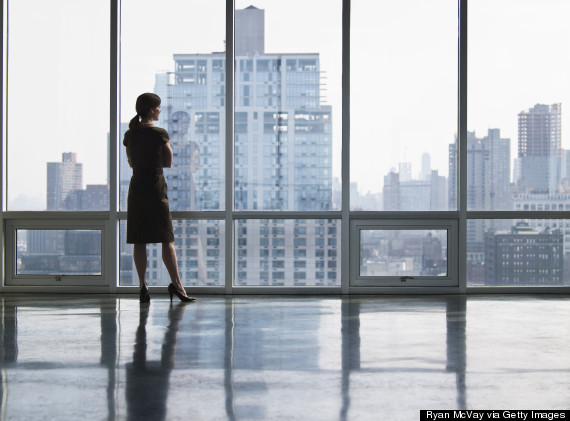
179, 123
145, 103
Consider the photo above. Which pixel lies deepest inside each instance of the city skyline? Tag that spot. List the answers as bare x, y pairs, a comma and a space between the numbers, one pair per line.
412, 174
503, 56
283, 161
289, 115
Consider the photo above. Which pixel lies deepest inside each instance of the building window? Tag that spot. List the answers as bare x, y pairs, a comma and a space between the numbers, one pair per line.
56, 164
283, 189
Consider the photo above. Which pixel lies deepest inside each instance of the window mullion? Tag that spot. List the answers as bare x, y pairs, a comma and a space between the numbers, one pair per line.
229, 137
462, 127
112, 238
345, 225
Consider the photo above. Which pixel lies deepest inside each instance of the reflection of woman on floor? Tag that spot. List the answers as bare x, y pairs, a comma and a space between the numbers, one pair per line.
148, 381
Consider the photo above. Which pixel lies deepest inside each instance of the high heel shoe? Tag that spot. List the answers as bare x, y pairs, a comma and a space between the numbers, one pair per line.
173, 290
144, 295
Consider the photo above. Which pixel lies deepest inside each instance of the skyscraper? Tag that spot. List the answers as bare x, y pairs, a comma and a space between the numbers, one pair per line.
391, 191
403, 193
539, 149
488, 188
282, 162
426, 166
62, 178
488, 167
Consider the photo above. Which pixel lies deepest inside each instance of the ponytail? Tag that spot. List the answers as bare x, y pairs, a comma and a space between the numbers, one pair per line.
134, 123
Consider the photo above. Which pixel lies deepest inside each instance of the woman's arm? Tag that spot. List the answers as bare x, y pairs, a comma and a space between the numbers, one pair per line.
167, 157
129, 157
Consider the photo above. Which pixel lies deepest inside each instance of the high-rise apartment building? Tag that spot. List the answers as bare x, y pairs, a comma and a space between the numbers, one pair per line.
488, 188
404, 193
62, 178
426, 166
66, 251
391, 191
488, 168
565, 171
65, 187
539, 149
283, 162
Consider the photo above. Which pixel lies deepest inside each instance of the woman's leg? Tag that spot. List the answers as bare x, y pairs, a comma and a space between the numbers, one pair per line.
139, 256
171, 263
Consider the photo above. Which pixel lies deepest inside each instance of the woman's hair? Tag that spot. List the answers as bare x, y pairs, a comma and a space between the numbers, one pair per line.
145, 103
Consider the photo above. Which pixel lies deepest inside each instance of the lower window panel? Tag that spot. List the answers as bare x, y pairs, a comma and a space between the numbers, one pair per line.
518, 252
58, 252
287, 252
200, 250
411, 252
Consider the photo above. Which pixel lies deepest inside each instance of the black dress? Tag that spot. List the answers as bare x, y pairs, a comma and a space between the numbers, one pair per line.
148, 214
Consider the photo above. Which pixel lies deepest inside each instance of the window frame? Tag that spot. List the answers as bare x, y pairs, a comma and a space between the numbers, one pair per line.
12, 278
108, 221
449, 225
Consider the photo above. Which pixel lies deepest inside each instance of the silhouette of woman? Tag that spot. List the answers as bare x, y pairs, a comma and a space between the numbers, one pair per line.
148, 381
148, 214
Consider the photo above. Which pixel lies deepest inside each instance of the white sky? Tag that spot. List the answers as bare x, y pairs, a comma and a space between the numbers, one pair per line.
403, 86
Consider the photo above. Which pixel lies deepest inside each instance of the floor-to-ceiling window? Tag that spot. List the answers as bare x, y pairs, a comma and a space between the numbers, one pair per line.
177, 51
517, 147
403, 117
403, 105
434, 197
56, 132
287, 143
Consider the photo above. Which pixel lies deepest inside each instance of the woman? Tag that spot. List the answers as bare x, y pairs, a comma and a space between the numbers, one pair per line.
148, 214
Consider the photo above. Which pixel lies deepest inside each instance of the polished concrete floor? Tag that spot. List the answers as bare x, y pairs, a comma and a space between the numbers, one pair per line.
280, 358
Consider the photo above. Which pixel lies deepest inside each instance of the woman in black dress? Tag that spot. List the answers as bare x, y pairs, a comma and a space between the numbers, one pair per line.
148, 214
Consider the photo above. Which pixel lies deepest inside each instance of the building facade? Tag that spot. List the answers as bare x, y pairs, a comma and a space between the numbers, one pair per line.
283, 162
62, 178
539, 149
488, 188
524, 256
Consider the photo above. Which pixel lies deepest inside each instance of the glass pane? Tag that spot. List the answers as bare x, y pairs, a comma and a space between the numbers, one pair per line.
288, 105
183, 61
292, 252
199, 248
58, 252
529, 252
403, 253
518, 82
403, 104
58, 105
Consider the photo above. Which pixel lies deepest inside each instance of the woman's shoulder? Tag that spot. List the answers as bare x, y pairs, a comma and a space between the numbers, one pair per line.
148, 132
157, 129
162, 133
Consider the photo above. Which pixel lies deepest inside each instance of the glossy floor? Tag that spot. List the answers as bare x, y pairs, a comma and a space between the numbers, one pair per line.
281, 358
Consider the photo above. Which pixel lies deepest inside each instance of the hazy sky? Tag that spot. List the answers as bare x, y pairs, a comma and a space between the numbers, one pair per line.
404, 73
58, 84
